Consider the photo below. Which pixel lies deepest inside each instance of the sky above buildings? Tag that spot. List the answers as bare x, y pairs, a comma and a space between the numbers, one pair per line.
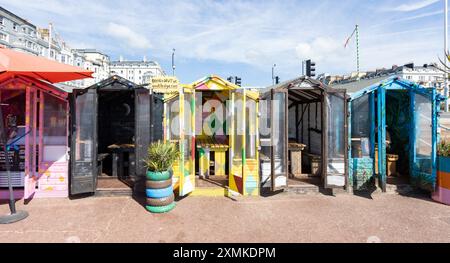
245, 38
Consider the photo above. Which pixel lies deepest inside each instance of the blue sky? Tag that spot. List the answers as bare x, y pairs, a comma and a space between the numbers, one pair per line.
245, 38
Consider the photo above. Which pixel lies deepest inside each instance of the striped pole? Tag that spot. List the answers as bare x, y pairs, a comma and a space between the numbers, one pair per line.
357, 49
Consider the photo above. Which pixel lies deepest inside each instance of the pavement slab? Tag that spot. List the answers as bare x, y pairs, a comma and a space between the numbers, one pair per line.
282, 218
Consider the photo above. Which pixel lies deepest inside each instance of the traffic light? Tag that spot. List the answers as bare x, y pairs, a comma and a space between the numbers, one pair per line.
230, 79
238, 81
310, 68
277, 80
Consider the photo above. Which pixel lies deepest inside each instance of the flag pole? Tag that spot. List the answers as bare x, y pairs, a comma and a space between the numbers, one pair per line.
357, 49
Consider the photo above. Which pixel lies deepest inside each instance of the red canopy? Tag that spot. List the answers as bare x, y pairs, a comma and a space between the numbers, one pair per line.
18, 63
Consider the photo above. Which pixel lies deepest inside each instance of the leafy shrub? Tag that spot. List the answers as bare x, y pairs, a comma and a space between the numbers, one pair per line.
444, 148
161, 156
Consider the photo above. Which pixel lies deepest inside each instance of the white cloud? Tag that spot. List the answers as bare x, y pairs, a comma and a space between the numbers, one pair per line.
415, 6
322, 49
130, 37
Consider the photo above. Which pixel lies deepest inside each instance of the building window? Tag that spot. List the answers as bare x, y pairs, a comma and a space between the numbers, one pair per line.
16, 27
2, 20
3, 37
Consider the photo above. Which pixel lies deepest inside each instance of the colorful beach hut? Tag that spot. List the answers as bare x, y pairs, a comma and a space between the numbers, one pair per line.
392, 120
35, 117
216, 123
113, 123
303, 135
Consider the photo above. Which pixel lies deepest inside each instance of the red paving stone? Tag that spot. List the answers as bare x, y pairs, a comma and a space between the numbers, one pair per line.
282, 218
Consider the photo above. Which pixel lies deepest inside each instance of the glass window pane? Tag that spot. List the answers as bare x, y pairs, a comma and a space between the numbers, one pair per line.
360, 127
423, 109
279, 132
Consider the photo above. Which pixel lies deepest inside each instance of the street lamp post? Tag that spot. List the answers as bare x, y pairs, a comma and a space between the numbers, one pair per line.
273, 74
446, 93
173, 62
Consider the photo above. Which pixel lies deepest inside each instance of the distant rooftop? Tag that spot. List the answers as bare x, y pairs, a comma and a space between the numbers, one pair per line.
137, 62
17, 17
90, 50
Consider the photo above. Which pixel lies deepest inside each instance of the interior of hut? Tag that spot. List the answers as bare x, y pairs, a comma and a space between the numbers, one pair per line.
398, 121
305, 136
13, 109
212, 145
116, 132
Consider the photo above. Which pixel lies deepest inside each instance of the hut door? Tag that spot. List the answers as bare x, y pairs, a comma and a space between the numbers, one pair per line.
279, 131
187, 142
335, 143
83, 148
423, 142
142, 129
237, 142
381, 116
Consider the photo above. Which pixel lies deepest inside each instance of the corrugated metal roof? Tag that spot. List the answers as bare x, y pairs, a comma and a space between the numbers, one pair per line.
359, 85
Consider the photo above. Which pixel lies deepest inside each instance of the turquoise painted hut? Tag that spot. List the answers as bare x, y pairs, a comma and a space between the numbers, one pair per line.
392, 133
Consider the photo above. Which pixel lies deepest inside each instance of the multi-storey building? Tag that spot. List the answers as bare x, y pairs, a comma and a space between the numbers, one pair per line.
94, 61
139, 72
18, 34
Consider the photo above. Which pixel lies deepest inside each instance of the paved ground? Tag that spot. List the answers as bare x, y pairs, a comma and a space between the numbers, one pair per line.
285, 218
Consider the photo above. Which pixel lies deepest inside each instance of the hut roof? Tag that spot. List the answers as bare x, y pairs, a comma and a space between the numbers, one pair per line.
115, 83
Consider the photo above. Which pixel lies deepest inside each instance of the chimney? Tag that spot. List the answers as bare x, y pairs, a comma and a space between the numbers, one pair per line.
120, 59
145, 58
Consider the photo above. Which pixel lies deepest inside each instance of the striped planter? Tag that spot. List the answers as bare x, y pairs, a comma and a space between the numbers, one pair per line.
442, 193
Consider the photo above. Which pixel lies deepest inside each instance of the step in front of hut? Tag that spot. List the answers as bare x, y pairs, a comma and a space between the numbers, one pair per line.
110, 186
109, 192
302, 189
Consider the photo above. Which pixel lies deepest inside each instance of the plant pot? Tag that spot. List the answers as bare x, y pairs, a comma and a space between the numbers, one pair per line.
159, 176
159, 193
442, 190
158, 184
161, 201
160, 209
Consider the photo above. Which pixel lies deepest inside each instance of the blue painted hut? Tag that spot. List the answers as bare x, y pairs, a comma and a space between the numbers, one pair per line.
391, 120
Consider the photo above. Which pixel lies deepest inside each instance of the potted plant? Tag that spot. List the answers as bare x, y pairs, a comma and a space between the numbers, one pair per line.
442, 193
159, 191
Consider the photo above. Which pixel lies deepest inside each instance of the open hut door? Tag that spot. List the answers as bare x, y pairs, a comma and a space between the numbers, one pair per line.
143, 129
187, 142
83, 150
335, 139
157, 118
423, 140
279, 140
178, 128
244, 144
31, 141
381, 138
361, 130
237, 142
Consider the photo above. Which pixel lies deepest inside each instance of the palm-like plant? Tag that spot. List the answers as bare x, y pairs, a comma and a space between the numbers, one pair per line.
161, 156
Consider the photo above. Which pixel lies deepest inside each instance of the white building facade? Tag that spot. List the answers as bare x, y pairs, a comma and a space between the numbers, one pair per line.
426, 75
18, 34
139, 72
95, 61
